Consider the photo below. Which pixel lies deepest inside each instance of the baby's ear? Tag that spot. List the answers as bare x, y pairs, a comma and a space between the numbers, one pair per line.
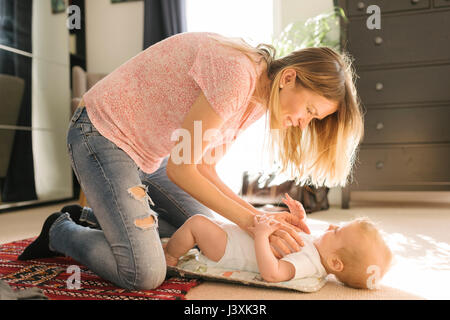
335, 263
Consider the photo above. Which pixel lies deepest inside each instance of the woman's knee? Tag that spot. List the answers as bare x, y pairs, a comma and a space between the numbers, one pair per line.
146, 276
143, 265
152, 279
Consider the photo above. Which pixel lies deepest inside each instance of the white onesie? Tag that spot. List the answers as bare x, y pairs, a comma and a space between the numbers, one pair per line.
240, 255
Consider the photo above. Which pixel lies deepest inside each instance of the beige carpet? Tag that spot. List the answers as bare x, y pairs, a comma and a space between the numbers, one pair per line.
418, 235
331, 291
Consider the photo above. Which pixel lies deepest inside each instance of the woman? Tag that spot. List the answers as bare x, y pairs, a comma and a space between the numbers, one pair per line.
139, 173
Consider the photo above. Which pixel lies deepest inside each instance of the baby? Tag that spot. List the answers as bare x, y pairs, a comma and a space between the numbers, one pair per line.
354, 253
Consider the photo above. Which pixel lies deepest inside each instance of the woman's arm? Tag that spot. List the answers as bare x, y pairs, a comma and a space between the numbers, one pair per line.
190, 180
188, 177
204, 185
209, 172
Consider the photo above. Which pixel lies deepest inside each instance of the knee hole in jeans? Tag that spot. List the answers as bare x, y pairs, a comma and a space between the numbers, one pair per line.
139, 193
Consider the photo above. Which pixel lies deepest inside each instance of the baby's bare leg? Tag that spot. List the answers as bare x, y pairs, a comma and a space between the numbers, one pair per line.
200, 230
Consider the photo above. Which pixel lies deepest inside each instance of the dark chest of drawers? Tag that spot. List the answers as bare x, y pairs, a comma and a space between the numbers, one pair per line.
403, 82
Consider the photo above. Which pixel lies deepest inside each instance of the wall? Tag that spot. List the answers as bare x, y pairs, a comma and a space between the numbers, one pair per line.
288, 11
115, 33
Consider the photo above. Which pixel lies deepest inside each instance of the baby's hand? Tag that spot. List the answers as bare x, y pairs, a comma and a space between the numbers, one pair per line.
264, 225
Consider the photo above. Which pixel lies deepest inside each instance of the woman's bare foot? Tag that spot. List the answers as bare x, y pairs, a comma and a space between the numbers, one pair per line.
170, 261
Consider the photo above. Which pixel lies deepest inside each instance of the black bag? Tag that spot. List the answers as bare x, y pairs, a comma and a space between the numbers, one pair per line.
258, 189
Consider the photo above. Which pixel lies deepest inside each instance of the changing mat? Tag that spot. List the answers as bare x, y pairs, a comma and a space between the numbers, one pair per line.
190, 266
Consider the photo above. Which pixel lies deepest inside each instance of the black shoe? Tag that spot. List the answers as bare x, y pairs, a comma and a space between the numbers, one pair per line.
74, 211
39, 248
75, 214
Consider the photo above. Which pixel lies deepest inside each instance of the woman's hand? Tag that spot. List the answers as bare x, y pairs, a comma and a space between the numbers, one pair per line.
296, 217
286, 238
296, 208
264, 226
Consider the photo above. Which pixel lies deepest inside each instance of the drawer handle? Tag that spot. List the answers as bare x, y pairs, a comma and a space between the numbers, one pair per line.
379, 86
361, 5
415, 1
380, 126
378, 40
380, 165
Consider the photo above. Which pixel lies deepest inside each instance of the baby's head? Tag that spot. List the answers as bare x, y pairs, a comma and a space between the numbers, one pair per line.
355, 253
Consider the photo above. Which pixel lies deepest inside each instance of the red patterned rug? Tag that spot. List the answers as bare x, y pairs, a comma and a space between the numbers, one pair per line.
51, 275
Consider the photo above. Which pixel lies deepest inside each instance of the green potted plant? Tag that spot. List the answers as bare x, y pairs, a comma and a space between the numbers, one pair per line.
314, 32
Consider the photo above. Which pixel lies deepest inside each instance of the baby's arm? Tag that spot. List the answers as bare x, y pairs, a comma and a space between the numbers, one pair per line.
270, 268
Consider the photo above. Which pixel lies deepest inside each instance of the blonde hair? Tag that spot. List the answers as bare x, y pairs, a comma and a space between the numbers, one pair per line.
324, 152
356, 257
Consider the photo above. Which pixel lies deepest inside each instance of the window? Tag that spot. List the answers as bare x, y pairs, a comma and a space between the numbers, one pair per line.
251, 20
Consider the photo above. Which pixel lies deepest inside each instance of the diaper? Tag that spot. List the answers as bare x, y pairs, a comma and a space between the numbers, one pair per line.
239, 252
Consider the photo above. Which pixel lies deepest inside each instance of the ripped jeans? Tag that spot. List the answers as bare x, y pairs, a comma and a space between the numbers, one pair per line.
124, 244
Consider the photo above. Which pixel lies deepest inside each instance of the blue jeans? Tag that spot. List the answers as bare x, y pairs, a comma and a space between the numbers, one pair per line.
117, 247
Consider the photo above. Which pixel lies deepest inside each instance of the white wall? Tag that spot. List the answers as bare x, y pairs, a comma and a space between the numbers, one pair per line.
115, 33
288, 11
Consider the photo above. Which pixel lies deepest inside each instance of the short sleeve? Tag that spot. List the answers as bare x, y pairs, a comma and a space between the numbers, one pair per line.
303, 265
224, 77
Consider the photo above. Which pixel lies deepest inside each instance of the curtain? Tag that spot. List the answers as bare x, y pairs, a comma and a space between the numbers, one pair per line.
15, 32
163, 18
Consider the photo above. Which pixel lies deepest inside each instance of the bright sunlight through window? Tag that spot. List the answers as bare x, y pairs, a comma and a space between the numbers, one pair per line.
251, 20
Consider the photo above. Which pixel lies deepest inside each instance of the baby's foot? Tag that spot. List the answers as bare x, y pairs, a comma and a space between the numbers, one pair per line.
170, 260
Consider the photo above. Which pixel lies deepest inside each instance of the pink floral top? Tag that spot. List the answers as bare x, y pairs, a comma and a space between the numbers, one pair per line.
141, 103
